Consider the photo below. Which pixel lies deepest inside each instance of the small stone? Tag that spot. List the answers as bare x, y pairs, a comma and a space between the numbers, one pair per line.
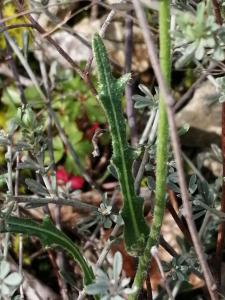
203, 117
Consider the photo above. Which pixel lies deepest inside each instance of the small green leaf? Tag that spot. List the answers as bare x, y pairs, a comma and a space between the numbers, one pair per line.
58, 150
192, 184
139, 98
13, 279
186, 57
122, 81
108, 223
4, 290
27, 165
117, 265
36, 187
151, 183
97, 288
142, 104
4, 269
210, 42
173, 177
10, 96
217, 152
83, 150
173, 187
33, 96
200, 50
112, 170
222, 99
184, 129
201, 12
145, 90
28, 118
94, 112
218, 54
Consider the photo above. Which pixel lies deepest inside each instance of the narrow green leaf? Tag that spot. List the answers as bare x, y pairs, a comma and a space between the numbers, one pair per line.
36, 187
110, 92
97, 288
146, 91
187, 56
200, 51
50, 236
117, 265
192, 184
142, 104
112, 171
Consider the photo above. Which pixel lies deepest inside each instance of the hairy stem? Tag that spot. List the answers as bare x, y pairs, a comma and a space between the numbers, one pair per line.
162, 151
169, 100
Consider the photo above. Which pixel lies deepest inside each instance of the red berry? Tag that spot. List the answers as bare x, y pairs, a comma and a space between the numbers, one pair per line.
76, 182
62, 176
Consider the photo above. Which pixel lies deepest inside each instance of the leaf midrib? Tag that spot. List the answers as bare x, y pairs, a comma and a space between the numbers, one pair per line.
124, 170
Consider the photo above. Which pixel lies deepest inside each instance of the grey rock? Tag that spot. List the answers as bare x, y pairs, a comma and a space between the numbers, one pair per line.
79, 50
203, 116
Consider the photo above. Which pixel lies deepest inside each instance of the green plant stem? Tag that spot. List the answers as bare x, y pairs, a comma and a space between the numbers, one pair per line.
161, 153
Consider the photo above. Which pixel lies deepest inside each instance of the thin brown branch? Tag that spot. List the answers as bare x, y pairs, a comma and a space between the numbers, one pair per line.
189, 93
128, 91
169, 101
176, 218
102, 32
153, 56
167, 247
60, 258
59, 49
217, 13
14, 26
56, 271
149, 286
141, 170
39, 10
155, 254
76, 203
94, 9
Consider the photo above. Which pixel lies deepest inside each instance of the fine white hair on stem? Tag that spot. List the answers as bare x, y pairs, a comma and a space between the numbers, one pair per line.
169, 102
